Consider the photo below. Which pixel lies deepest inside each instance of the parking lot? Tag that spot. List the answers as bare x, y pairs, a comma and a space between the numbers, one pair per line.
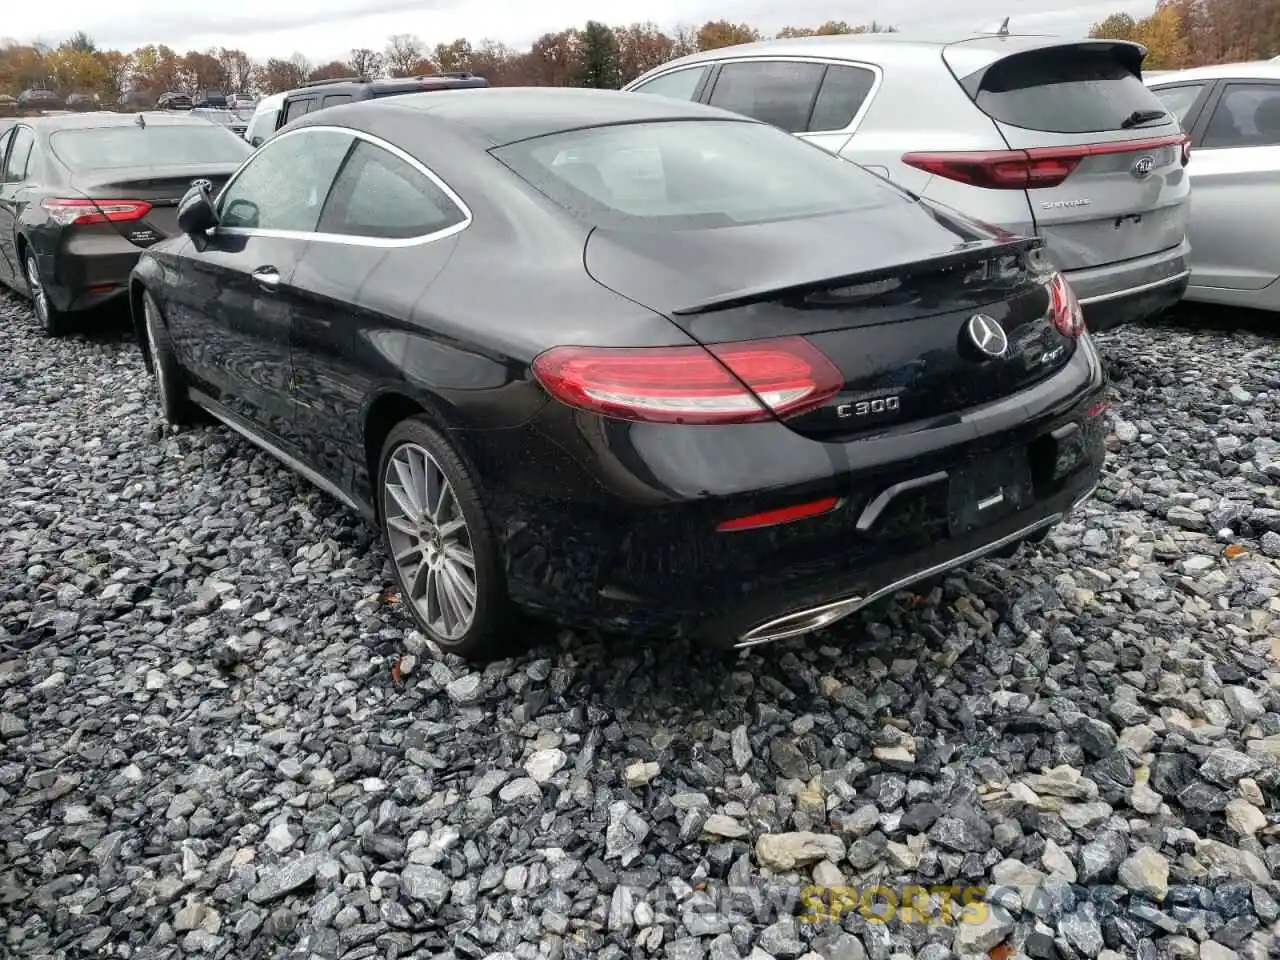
221, 736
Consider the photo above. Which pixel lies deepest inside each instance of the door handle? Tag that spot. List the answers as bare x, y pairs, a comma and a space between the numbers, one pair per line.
267, 277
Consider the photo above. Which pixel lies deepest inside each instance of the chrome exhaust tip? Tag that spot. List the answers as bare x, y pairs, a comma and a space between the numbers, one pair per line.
1083, 498
815, 618
798, 623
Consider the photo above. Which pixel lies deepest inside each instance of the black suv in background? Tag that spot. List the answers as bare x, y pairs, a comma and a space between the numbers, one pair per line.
210, 98
319, 94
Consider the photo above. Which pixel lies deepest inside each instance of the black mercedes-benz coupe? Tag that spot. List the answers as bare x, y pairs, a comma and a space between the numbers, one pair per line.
81, 195
625, 361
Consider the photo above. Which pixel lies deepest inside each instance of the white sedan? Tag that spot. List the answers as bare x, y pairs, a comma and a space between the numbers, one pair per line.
1232, 112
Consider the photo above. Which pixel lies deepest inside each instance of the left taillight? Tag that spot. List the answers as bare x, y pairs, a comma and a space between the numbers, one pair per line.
721, 383
78, 211
1068, 317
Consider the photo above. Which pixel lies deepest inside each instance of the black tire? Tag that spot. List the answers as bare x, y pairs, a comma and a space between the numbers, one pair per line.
171, 391
486, 637
53, 321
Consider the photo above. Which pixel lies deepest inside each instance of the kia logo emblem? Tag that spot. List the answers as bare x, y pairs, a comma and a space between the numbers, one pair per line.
987, 335
1143, 166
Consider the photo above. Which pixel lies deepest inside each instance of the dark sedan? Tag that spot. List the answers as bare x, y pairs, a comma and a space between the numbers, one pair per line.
625, 361
82, 195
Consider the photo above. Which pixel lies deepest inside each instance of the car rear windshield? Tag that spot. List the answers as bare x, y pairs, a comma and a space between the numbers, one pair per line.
692, 174
96, 148
1065, 90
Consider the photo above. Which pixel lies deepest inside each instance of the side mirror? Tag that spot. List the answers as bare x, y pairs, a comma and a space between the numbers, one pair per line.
195, 211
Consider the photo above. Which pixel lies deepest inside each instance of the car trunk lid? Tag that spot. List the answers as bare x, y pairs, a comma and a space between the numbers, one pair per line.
1107, 163
886, 294
160, 187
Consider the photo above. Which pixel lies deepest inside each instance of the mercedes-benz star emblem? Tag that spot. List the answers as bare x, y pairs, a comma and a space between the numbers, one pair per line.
987, 335
203, 184
1143, 166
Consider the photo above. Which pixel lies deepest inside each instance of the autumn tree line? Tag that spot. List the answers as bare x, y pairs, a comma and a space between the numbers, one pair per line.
595, 55
1190, 33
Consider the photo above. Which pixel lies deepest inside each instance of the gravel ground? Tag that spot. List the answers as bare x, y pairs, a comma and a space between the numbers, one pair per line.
220, 737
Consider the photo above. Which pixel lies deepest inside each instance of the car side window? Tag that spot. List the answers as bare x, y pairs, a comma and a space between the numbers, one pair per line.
15, 170
284, 185
841, 96
679, 84
336, 98
5, 137
1247, 115
780, 92
296, 108
378, 194
1179, 99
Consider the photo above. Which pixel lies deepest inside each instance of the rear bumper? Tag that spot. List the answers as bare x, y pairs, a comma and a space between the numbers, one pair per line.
1132, 290
753, 625
621, 530
88, 270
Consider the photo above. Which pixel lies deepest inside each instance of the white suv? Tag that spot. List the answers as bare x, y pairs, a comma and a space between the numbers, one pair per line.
1034, 135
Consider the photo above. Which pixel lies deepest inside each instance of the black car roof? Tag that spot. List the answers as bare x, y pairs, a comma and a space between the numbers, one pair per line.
503, 115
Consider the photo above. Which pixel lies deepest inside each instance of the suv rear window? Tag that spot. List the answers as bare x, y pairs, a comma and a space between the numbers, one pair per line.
691, 174
152, 146
1063, 90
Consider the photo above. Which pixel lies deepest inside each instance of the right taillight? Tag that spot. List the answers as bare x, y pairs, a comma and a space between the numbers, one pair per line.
1068, 317
721, 383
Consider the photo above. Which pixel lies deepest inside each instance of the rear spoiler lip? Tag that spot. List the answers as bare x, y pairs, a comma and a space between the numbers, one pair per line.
1120, 49
964, 253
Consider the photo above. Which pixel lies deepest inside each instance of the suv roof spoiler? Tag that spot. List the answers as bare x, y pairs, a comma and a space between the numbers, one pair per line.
452, 75
321, 83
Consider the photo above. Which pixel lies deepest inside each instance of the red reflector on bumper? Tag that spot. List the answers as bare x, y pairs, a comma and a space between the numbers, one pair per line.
772, 518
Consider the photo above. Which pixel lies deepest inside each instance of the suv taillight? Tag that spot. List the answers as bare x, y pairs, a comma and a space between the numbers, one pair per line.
1032, 169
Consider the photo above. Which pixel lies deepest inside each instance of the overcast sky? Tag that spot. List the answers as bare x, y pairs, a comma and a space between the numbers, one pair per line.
328, 29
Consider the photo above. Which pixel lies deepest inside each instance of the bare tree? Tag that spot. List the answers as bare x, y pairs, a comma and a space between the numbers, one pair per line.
301, 65
366, 62
404, 50
238, 67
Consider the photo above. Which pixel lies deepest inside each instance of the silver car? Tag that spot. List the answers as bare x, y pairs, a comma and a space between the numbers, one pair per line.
1232, 112
1035, 135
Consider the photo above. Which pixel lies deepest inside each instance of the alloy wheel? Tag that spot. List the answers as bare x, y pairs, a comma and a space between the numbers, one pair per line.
430, 542
38, 296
